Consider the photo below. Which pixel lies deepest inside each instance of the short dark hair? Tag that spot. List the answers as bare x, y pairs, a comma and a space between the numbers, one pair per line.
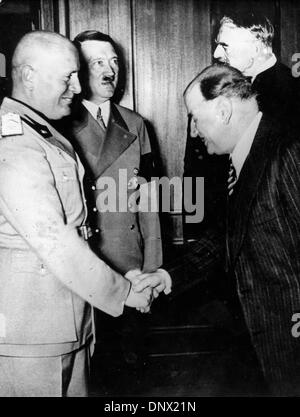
93, 35
259, 25
222, 80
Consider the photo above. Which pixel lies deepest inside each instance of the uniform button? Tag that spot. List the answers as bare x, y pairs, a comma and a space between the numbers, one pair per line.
97, 230
132, 227
133, 183
95, 209
93, 187
125, 136
200, 157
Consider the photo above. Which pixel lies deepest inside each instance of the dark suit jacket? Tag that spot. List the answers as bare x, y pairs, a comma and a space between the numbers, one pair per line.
263, 247
279, 97
125, 240
278, 93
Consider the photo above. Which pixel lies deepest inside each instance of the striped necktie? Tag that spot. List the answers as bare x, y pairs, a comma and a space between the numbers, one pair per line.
100, 119
232, 178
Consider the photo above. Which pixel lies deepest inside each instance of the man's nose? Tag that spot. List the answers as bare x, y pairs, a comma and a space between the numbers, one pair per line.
75, 86
109, 70
219, 52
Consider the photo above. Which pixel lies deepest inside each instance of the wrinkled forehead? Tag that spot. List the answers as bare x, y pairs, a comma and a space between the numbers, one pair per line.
92, 49
230, 33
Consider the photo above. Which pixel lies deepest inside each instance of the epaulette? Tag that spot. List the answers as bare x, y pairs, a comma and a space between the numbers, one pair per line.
39, 128
11, 124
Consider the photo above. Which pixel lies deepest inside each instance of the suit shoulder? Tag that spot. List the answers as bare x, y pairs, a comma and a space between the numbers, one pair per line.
129, 114
283, 75
287, 150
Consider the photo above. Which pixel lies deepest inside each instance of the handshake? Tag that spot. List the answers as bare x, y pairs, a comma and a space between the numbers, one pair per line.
145, 287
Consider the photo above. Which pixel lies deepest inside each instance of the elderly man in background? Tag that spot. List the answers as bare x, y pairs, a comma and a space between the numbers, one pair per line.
245, 42
49, 277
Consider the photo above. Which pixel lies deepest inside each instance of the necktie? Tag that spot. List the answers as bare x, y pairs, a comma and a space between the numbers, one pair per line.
232, 178
100, 119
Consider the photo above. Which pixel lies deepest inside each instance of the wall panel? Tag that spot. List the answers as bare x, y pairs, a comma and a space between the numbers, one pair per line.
171, 45
290, 30
47, 15
171, 39
119, 28
88, 14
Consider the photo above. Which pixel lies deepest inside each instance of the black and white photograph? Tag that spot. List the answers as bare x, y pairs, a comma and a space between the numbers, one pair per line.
149, 201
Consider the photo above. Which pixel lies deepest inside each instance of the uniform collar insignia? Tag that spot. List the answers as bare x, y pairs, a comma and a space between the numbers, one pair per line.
39, 128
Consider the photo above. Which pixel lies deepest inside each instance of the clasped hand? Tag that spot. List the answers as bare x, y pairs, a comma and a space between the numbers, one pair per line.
146, 287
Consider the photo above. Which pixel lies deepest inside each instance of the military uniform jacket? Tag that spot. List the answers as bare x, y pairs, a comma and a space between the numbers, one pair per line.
48, 274
120, 155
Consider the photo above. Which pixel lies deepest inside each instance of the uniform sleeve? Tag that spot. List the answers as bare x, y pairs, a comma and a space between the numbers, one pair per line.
30, 203
149, 220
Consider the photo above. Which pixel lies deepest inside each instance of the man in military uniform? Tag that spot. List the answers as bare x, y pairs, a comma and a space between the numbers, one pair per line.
113, 143
49, 277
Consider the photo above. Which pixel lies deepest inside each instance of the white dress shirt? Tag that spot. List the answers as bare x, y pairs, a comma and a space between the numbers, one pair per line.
93, 109
242, 148
266, 65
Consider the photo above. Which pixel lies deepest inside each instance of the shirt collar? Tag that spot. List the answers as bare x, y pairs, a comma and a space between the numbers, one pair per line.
266, 65
242, 148
93, 109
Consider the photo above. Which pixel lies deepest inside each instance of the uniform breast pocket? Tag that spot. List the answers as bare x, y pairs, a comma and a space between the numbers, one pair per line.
69, 188
27, 263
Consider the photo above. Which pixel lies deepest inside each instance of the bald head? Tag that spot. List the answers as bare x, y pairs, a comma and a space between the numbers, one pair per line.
44, 72
37, 43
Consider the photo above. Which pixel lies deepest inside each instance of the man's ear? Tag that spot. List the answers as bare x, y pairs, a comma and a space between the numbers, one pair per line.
193, 129
224, 109
27, 74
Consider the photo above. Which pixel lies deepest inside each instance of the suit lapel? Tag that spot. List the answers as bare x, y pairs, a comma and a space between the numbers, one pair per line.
117, 140
89, 135
97, 147
240, 203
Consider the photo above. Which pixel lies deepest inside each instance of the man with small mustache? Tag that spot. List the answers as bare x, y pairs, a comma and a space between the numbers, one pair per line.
112, 142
